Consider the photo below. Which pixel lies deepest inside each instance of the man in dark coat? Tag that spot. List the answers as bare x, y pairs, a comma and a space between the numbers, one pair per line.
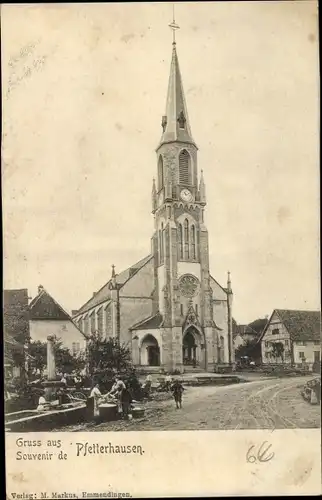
177, 391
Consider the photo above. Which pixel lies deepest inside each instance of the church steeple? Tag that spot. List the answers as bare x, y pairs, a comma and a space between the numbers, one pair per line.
175, 122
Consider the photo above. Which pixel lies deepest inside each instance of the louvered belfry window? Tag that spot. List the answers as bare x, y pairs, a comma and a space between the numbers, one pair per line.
184, 167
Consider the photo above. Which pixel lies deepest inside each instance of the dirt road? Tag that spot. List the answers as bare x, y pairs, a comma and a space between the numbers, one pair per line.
265, 404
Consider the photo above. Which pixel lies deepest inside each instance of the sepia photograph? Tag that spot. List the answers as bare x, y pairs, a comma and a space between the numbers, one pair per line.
160, 172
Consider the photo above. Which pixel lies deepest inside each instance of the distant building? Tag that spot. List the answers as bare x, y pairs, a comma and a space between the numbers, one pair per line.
248, 333
47, 317
292, 336
243, 334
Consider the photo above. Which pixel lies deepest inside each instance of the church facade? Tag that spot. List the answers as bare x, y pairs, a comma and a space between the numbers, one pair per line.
168, 308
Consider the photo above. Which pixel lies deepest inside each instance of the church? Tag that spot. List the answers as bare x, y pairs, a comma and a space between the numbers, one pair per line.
168, 307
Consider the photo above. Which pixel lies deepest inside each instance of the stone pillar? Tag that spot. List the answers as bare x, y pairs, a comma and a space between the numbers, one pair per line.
96, 319
135, 350
231, 350
51, 365
209, 346
177, 361
155, 252
166, 347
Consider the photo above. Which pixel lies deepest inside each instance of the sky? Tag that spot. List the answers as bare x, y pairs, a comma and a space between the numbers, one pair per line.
84, 90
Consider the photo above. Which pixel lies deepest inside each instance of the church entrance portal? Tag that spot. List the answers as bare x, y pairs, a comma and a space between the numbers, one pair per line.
150, 351
191, 347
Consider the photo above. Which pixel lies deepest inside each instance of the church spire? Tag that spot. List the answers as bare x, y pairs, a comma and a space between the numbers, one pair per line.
175, 122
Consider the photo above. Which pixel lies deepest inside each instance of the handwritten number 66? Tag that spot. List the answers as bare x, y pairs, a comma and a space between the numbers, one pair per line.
261, 455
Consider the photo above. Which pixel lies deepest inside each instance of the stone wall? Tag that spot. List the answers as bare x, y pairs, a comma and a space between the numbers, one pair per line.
133, 310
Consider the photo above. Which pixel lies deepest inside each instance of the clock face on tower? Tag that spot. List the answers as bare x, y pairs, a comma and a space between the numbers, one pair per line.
186, 195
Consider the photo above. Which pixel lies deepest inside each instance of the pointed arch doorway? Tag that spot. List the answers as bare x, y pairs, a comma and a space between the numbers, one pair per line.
192, 348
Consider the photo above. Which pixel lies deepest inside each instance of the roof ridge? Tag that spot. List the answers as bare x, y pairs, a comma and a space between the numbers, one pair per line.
143, 321
300, 310
223, 289
37, 297
44, 291
141, 263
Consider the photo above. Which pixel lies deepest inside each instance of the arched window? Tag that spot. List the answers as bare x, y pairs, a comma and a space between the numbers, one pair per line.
184, 167
160, 173
180, 241
186, 239
193, 242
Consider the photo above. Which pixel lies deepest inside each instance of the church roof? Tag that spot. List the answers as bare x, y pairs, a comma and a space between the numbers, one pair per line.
104, 293
176, 126
152, 322
215, 281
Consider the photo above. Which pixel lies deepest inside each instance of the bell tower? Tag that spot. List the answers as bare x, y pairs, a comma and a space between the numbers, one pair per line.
183, 294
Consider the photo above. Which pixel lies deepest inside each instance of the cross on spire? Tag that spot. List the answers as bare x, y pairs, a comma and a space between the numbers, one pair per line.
175, 121
174, 26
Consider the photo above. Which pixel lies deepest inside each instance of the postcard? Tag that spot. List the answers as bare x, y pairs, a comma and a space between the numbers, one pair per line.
162, 318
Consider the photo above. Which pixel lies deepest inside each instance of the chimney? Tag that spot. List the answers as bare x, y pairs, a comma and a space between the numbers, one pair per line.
40, 289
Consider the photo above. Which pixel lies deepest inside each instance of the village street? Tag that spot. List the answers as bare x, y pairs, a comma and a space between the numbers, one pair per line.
262, 404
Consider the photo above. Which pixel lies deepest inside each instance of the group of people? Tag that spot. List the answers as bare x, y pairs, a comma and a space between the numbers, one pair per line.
76, 379
119, 392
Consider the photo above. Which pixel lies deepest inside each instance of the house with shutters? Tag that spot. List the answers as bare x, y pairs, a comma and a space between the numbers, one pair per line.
292, 337
47, 317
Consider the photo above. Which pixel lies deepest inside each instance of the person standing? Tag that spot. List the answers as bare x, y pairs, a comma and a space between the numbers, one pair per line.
125, 400
116, 391
96, 396
177, 391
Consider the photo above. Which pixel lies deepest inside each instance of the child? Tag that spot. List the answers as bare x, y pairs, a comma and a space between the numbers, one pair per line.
177, 390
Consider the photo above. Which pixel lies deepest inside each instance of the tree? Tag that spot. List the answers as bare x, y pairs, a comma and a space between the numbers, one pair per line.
107, 354
245, 349
105, 357
65, 361
38, 355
